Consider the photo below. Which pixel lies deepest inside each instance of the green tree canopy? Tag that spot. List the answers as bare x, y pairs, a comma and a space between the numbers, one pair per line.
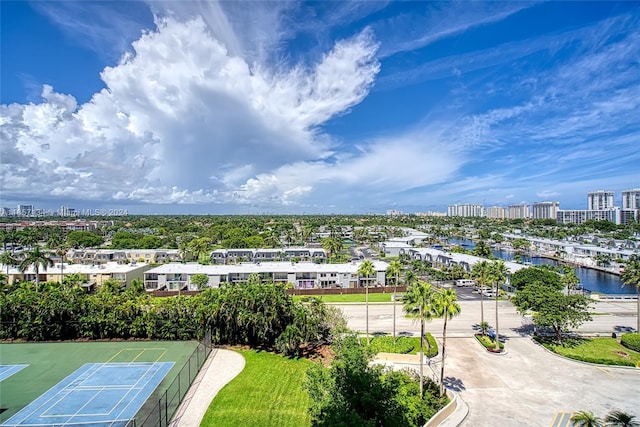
528, 275
84, 239
551, 308
352, 392
200, 280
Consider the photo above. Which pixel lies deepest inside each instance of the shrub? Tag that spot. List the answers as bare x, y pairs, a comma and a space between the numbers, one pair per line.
403, 345
487, 342
631, 341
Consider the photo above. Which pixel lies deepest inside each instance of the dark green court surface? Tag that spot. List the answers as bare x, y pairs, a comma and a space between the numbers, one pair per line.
49, 363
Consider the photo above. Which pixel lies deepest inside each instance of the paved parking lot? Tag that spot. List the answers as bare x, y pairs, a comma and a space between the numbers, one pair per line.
528, 386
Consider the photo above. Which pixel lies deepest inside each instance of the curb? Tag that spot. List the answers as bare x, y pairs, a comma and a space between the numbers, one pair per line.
504, 351
582, 362
456, 417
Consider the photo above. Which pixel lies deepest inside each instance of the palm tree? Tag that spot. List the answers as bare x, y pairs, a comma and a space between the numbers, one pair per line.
200, 248
36, 259
333, 245
394, 269
498, 274
366, 270
445, 306
621, 419
418, 304
8, 259
569, 278
586, 419
60, 248
481, 273
631, 276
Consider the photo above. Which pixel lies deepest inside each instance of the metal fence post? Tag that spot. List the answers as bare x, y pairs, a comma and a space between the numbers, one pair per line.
166, 407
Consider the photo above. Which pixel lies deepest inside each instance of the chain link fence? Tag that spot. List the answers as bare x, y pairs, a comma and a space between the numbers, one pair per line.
158, 412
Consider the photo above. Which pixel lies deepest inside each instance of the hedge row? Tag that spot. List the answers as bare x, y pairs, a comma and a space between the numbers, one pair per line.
631, 341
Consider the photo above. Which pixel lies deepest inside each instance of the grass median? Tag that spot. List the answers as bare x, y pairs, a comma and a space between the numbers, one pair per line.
604, 351
339, 298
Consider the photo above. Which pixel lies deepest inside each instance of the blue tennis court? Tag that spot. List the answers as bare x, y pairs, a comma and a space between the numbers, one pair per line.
7, 370
96, 394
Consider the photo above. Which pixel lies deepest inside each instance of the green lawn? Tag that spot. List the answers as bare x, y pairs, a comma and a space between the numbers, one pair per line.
606, 351
402, 345
385, 297
268, 392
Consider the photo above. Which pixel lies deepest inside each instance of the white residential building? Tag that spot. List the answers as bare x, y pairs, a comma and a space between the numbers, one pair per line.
546, 210
465, 210
521, 211
497, 212
95, 274
225, 256
600, 200
580, 216
631, 199
303, 275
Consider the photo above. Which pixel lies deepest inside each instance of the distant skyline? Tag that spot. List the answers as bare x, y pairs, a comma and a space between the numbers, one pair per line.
326, 107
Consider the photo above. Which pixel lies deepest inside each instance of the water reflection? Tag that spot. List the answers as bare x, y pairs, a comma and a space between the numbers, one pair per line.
592, 280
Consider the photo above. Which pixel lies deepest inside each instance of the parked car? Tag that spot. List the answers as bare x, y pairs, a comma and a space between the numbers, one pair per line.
465, 282
488, 293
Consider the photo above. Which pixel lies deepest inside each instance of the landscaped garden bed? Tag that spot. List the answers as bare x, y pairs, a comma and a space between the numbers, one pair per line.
489, 343
603, 351
402, 345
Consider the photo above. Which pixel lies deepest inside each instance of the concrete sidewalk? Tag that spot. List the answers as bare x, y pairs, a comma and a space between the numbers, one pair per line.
220, 368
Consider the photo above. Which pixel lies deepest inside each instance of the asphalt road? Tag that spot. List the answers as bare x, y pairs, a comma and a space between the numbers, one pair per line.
527, 386
608, 317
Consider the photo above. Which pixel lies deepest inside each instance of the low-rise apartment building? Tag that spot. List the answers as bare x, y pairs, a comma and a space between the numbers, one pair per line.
442, 259
302, 275
102, 256
96, 275
227, 256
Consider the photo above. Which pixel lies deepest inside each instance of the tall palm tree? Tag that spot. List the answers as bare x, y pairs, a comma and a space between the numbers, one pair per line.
631, 276
481, 273
200, 248
569, 278
394, 269
13, 236
586, 419
8, 259
366, 270
28, 236
418, 304
447, 307
621, 419
60, 248
498, 274
36, 259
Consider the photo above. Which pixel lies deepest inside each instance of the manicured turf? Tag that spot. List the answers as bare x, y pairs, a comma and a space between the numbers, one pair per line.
51, 362
607, 351
385, 297
268, 392
402, 345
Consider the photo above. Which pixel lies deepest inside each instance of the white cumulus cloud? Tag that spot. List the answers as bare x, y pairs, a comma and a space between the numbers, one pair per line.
183, 120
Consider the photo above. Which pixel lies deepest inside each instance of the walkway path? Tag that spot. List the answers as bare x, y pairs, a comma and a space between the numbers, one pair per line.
221, 367
528, 386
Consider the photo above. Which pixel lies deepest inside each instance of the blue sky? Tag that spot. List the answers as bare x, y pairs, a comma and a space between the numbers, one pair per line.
325, 107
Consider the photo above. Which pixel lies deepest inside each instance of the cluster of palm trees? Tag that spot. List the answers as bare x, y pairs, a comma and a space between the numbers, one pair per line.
613, 419
424, 302
490, 274
35, 258
421, 302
